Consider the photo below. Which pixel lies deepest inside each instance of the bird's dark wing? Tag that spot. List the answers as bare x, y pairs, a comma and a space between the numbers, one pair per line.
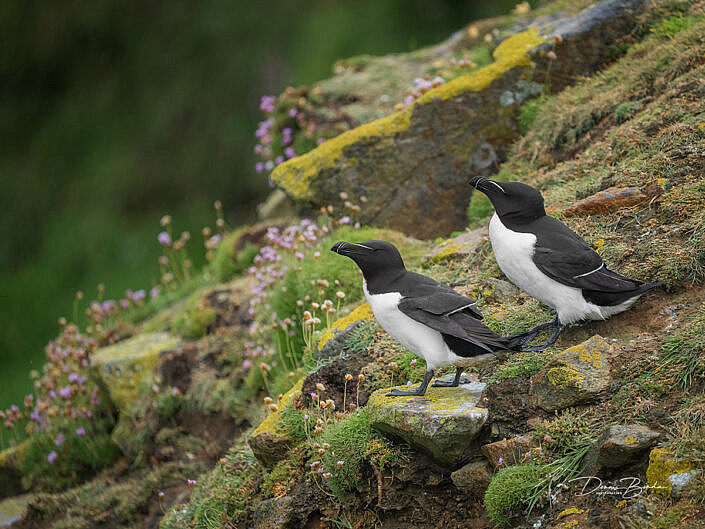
434, 297
461, 323
563, 256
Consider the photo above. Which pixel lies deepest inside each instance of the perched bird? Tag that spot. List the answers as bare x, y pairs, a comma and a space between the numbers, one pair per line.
550, 262
430, 319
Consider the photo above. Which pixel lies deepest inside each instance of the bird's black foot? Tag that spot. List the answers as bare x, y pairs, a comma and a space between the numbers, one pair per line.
451, 383
558, 326
418, 392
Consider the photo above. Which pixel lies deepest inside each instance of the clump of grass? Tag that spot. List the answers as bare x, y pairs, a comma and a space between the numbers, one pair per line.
522, 364
223, 494
352, 441
685, 350
72, 457
510, 489
528, 112
626, 110
566, 433
672, 25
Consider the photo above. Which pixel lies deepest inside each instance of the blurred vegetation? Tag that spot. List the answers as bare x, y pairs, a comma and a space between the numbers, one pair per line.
115, 113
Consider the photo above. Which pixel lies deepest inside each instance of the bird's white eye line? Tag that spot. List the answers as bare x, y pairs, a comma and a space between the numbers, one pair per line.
361, 245
499, 186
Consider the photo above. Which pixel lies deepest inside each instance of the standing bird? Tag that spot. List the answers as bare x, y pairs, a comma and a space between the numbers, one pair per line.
550, 262
430, 319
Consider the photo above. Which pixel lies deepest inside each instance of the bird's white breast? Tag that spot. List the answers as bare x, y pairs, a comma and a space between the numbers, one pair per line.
415, 336
514, 252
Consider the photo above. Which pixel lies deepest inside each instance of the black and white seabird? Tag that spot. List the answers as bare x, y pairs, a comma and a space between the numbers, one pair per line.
550, 262
430, 319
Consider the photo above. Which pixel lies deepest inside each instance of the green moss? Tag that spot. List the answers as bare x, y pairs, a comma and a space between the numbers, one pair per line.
294, 423
509, 490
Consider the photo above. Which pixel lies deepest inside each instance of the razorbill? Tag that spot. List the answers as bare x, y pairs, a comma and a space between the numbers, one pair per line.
430, 319
550, 262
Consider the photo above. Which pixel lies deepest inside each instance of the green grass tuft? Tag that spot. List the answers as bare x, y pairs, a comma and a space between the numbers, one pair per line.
672, 25
685, 350
509, 490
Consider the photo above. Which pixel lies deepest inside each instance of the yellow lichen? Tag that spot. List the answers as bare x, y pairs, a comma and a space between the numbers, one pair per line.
296, 175
569, 511
630, 440
363, 312
272, 423
662, 464
445, 253
621, 504
564, 376
451, 402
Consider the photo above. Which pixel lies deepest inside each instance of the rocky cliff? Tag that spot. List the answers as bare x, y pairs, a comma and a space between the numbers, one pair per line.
252, 394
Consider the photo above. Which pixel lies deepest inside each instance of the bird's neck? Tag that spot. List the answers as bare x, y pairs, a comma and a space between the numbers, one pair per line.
379, 281
513, 220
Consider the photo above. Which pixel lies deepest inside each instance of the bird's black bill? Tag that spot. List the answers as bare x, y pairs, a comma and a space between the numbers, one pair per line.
482, 183
336, 247
475, 180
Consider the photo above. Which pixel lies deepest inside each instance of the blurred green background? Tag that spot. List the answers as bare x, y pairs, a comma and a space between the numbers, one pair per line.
114, 113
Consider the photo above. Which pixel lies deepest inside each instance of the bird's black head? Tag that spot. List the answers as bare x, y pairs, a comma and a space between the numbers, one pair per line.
514, 202
374, 258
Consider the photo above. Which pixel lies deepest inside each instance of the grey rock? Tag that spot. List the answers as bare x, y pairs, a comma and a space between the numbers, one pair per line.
619, 446
441, 424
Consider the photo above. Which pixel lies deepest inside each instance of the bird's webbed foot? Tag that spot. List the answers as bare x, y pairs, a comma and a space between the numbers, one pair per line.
418, 392
451, 383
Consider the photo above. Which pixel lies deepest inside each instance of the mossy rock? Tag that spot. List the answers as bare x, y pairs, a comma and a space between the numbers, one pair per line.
10, 464
125, 367
458, 247
270, 442
462, 128
13, 509
442, 423
577, 375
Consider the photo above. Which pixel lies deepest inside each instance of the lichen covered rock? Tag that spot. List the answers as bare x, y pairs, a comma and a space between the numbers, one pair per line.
576, 375
619, 446
462, 128
441, 424
126, 366
458, 247
12, 510
665, 469
270, 442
